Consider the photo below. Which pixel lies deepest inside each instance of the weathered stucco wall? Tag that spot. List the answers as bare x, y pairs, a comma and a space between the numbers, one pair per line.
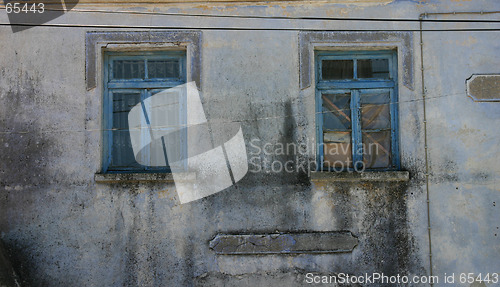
464, 153
63, 229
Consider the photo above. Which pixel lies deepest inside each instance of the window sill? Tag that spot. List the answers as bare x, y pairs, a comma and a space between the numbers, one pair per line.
142, 177
373, 176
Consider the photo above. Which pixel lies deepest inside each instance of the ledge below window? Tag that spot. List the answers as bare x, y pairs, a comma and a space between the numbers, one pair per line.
142, 177
373, 176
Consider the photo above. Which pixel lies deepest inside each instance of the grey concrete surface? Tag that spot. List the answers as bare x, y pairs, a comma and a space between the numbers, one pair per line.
8, 277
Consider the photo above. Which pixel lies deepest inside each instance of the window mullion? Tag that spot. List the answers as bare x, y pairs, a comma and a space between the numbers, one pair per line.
146, 133
357, 150
109, 73
109, 127
394, 130
319, 130
355, 69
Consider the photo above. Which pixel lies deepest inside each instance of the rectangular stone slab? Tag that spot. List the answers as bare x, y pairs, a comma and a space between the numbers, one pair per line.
284, 243
484, 88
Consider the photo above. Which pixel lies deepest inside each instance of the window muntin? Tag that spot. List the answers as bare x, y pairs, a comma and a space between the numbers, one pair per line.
357, 118
130, 79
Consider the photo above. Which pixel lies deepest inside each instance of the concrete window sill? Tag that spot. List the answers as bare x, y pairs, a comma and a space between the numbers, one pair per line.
142, 177
373, 176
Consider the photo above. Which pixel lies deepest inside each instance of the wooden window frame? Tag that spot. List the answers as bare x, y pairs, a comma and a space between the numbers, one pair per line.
355, 87
143, 86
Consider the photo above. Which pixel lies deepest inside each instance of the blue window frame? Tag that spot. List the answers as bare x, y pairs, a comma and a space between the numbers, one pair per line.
356, 110
129, 79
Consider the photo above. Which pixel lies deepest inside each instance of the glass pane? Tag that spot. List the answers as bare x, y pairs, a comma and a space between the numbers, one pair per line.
375, 111
337, 150
164, 113
377, 149
337, 69
336, 111
122, 154
163, 108
163, 68
373, 68
128, 69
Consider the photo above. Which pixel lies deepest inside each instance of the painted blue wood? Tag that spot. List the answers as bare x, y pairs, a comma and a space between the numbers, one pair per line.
355, 70
355, 84
356, 144
144, 86
357, 87
319, 131
396, 160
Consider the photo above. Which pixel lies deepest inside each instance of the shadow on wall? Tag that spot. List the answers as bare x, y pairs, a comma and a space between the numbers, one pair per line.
8, 277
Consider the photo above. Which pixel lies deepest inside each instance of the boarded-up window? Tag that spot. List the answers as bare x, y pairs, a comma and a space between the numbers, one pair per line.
357, 110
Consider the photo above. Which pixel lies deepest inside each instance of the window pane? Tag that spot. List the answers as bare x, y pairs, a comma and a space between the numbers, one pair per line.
377, 149
163, 69
337, 69
375, 111
122, 154
337, 150
373, 68
128, 69
336, 111
164, 112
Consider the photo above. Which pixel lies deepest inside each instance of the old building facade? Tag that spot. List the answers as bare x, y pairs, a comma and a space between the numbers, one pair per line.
418, 79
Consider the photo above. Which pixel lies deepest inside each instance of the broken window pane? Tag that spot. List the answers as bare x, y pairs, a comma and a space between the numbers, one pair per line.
377, 149
336, 111
376, 129
358, 101
337, 150
337, 69
375, 111
373, 68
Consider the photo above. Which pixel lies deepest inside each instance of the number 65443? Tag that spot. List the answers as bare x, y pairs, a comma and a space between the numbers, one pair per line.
17, 8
